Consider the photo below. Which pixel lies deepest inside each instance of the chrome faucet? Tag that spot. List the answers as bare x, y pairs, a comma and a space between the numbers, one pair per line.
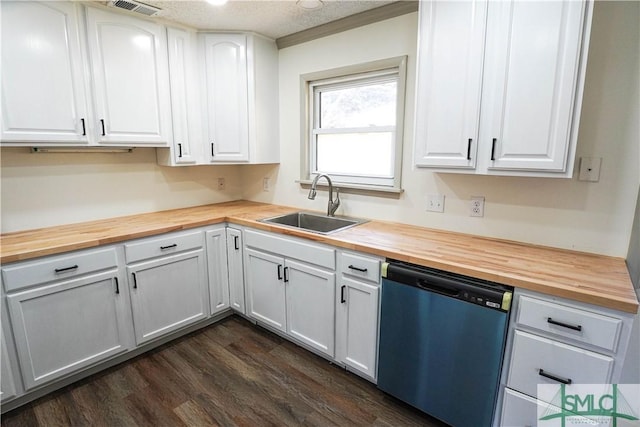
333, 206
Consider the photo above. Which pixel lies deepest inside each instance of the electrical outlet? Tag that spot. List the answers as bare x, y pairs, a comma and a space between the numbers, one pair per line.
590, 169
221, 185
265, 183
476, 206
435, 202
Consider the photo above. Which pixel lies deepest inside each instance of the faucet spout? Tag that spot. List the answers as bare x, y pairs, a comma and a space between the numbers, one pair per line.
332, 206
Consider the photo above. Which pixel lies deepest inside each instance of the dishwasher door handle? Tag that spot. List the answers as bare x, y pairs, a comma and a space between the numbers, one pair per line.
428, 285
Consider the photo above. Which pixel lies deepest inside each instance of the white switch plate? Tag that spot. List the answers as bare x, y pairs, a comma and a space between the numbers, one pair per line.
221, 184
435, 202
476, 207
265, 183
590, 169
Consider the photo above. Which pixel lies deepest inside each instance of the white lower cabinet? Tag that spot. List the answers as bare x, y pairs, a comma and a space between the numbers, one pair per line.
235, 269
554, 341
170, 291
357, 310
520, 410
265, 288
7, 383
66, 326
310, 305
295, 293
216, 241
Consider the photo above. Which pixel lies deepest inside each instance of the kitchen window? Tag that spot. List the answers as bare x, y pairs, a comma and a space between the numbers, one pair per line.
354, 125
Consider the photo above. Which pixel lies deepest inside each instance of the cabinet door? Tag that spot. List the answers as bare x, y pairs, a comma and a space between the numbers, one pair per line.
234, 263
168, 294
449, 82
43, 93
531, 83
184, 104
64, 327
7, 386
130, 73
265, 288
226, 82
311, 305
217, 266
357, 328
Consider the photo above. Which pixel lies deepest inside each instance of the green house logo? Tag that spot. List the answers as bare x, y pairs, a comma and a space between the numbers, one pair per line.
588, 404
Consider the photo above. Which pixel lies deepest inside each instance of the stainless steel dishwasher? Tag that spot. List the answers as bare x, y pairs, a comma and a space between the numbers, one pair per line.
442, 339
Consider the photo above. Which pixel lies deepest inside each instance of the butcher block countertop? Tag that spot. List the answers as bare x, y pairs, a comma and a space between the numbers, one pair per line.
589, 278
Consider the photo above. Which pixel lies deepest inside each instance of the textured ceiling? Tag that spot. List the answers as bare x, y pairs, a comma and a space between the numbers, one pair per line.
271, 18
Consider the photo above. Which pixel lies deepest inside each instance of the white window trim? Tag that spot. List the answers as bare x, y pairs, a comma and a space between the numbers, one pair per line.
381, 68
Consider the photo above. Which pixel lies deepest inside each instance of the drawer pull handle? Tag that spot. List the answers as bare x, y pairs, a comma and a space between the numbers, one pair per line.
342, 300
135, 281
102, 124
493, 149
235, 243
542, 373
363, 270
65, 269
164, 248
84, 128
279, 271
179, 150
286, 274
213, 154
564, 325
115, 279
469, 149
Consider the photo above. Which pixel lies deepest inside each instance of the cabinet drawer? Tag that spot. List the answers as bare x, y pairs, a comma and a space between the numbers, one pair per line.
165, 245
534, 357
360, 266
580, 325
519, 410
290, 248
49, 269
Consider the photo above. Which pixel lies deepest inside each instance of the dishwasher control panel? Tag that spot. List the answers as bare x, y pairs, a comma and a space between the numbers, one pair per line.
475, 291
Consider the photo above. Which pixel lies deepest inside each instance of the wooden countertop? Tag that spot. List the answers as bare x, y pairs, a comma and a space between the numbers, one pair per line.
589, 278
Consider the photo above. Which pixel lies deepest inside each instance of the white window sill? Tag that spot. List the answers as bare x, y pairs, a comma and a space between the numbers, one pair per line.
372, 190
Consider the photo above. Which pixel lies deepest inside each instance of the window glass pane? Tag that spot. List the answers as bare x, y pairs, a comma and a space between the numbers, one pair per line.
369, 154
367, 105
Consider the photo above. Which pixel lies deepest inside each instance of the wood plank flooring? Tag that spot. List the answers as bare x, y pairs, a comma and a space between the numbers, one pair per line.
232, 373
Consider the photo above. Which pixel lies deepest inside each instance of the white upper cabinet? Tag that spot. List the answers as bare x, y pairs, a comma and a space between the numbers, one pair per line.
128, 60
43, 86
240, 103
450, 82
500, 86
531, 74
65, 83
226, 84
185, 108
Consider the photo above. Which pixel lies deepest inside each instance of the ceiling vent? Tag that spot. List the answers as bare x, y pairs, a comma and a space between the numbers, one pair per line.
135, 6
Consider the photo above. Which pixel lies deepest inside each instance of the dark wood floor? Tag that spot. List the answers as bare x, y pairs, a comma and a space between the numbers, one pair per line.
229, 374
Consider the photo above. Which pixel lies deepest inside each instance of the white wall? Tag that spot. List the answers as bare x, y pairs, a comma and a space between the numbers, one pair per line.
593, 217
45, 189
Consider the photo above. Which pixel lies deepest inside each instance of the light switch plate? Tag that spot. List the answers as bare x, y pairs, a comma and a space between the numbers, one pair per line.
590, 169
435, 202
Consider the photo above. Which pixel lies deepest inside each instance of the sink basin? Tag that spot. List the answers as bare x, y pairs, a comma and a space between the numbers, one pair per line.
314, 222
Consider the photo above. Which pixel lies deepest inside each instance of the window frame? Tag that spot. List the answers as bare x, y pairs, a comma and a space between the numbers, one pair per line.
347, 77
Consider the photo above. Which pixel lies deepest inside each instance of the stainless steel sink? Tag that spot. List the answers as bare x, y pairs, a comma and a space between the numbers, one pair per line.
314, 222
